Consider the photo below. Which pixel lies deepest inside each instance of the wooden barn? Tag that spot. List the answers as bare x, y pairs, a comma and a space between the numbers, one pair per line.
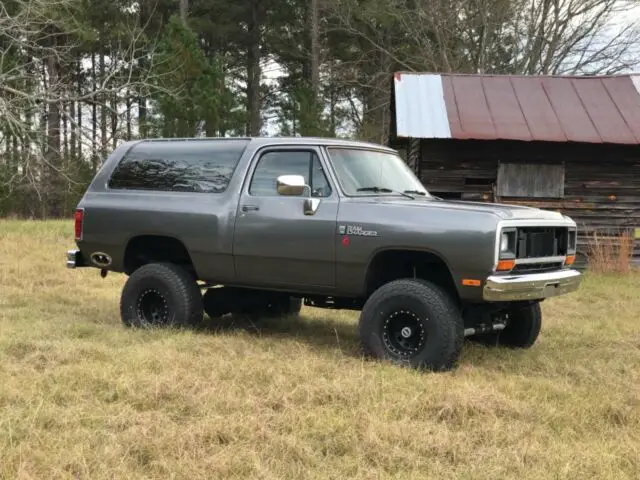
570, 144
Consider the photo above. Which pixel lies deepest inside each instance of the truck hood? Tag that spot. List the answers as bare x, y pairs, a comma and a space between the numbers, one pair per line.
500, 210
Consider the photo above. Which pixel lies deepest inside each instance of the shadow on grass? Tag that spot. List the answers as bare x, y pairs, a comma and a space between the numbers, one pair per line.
324, 334
321, 333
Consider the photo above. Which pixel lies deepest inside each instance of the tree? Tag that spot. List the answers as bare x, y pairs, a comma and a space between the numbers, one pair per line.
41, 45
192, 92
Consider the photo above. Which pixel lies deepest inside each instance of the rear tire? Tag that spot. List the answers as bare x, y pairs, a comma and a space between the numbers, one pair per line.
161, 294
522, 330
412, 322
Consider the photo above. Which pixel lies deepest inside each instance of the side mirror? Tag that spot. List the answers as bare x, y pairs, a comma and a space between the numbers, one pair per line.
293, 185
290, 185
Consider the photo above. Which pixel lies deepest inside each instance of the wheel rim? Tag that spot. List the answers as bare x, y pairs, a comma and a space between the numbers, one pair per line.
403, 333
152, 307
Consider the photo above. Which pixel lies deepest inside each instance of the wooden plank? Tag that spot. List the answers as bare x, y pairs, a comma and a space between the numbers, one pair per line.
529, 180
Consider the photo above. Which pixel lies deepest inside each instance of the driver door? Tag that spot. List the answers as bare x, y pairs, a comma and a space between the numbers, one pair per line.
275, 243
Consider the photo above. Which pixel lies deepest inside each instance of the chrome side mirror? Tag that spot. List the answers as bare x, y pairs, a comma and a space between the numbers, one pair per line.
290, 185
294, 185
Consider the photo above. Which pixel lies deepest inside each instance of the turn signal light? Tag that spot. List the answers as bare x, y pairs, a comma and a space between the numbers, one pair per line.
505, 265
570, 259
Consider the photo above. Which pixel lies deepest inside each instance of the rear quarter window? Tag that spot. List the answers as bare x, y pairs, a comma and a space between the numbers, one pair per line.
186, 166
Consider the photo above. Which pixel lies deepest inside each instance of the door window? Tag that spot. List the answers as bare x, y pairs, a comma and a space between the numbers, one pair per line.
275, 163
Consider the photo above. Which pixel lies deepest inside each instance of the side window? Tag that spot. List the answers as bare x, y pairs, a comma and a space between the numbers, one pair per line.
273, 164
193, 166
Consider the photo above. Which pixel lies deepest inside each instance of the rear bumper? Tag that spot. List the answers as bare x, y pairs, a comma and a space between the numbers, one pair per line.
75, 259
535, 286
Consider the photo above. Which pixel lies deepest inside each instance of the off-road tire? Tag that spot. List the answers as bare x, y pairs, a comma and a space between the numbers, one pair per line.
171, 288
435, 315
522, 331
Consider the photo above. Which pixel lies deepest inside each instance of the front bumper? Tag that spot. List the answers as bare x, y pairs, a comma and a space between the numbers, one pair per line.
75, 259
534, 286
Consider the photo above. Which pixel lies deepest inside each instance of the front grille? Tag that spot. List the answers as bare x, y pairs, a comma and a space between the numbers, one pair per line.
537, 267
533, 242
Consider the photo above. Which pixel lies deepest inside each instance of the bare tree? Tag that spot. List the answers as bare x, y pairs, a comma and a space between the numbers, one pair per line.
474, 36
39, 44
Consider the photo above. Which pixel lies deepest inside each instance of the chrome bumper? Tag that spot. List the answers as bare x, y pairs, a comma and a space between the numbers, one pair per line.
75, 259
534, 286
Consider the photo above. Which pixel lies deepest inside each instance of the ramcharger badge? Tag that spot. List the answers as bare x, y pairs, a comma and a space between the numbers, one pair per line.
356, 230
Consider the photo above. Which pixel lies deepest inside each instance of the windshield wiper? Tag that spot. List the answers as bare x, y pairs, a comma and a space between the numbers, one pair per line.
417, 192
384, 190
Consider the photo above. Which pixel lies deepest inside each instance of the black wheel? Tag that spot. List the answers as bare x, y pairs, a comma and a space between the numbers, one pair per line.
161, 294
413, 322
522, 330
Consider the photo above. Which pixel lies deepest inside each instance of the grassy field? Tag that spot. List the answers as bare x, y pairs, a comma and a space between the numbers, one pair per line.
83, 397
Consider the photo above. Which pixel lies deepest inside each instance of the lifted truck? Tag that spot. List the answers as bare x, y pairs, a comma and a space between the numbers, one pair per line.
262, 225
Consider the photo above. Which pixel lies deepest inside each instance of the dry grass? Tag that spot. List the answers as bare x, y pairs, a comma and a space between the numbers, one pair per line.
83, 397
611, 253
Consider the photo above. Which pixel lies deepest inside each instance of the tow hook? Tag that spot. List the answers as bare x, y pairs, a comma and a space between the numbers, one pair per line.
103, 272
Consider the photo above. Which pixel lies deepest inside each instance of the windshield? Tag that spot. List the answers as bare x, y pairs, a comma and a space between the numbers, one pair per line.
363, 172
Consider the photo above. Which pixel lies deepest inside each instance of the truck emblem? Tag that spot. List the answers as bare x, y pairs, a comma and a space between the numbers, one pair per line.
356, 230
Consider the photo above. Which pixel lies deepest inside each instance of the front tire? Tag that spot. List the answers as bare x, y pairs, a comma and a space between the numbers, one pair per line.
161, 294
413, 322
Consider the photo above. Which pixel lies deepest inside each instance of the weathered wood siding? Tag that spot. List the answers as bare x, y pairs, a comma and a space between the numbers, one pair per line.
601, 182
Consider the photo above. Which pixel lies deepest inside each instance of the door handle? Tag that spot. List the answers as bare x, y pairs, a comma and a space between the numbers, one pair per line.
249, 208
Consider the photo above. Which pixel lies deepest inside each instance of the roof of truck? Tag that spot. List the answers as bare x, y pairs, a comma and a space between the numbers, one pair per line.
326, 141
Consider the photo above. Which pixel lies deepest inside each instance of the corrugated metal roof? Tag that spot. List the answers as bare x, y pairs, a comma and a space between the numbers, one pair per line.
543, 108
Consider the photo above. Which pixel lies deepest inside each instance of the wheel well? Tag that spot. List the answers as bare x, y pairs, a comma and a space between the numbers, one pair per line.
155, 248
393, 264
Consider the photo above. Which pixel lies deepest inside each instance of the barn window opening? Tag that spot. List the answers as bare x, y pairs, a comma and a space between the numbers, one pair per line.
448, 195
526, 180
479, 182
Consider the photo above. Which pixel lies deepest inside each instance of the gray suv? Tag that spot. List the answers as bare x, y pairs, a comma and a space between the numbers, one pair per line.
259, 226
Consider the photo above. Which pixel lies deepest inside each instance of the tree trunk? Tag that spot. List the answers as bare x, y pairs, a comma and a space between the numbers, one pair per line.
254, 75
52, 154
79, 113
114, 121
184, 11
142, 64
103, 114
128, 116
65, 132
94, 117
73, 137
314, 79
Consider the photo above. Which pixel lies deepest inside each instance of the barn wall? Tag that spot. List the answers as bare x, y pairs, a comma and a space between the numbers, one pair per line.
601, 182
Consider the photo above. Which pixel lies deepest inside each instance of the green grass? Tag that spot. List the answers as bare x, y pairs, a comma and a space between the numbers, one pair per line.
83, 397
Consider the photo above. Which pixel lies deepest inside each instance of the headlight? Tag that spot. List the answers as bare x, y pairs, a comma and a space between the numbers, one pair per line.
508, 243
504, 243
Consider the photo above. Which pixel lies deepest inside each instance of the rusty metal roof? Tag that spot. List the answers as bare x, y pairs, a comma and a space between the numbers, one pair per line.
544, 108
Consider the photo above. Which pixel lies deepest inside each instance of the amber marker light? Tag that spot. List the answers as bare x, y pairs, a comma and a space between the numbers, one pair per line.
570, 259
505, 265
469, 282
